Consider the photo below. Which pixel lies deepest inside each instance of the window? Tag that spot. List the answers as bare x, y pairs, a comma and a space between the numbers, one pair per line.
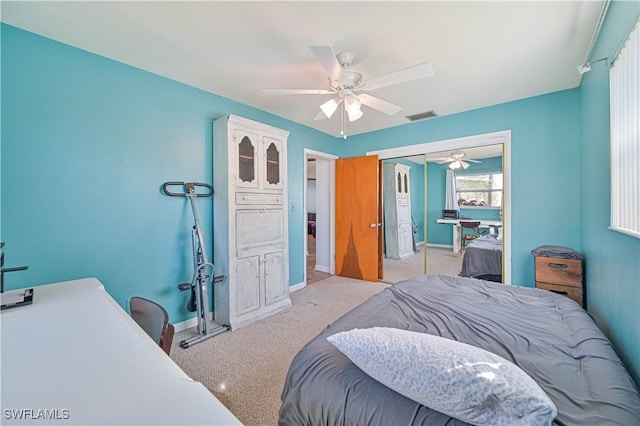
479, 190
625, 137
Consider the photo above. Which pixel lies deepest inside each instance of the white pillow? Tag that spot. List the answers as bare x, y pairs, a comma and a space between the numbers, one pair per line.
451, 377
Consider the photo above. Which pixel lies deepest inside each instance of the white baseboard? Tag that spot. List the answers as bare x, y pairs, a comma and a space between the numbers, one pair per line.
419, 243
296, 287
191, 322
440, 245
322, 268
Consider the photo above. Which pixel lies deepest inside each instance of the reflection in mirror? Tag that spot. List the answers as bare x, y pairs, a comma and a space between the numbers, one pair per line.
403, 198
437, 241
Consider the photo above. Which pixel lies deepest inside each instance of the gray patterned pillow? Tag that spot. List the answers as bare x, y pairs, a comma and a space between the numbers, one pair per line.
451, 377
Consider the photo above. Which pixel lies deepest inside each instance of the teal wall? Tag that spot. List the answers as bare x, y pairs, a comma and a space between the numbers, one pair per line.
86, 145
545, 189
437, 233
417, 198
612, 259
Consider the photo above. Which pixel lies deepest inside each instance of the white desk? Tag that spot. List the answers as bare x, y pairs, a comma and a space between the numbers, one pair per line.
77, 354
495, 227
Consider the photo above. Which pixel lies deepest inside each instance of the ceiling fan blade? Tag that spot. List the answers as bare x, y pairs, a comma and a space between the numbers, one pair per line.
379, 104
408, 74
297, 92
443, 160
474, 161
327, 58
320, 116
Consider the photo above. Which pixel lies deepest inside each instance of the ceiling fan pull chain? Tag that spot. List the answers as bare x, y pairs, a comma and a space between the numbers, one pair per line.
343, 130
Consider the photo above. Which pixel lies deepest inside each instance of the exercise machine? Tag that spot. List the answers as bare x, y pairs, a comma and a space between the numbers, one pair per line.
4, 270
203, 270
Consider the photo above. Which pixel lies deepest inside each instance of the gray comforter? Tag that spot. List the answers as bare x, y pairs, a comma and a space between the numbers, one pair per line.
483, 256
547, 335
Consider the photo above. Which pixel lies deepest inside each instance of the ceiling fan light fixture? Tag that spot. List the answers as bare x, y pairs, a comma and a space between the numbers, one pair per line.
352, 105
455, 165
354, 114
329, 107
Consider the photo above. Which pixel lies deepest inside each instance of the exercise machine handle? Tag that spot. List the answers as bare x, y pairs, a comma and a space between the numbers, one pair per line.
191, 188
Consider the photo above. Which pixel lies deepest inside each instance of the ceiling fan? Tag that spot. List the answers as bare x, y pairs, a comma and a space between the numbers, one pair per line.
455, 160
346, 85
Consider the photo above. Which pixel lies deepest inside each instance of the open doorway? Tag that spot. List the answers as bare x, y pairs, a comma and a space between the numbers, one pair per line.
319, 195
437, 253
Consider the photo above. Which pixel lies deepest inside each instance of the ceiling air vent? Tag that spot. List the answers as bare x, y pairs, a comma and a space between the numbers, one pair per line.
422, 116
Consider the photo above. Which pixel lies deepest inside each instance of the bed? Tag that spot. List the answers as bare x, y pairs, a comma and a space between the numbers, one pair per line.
546, 335
483, 258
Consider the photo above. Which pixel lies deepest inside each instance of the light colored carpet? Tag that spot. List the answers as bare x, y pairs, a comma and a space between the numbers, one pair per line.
440, 260
245, 369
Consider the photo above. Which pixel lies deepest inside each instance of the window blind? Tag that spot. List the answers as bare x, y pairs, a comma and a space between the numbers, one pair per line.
625, 137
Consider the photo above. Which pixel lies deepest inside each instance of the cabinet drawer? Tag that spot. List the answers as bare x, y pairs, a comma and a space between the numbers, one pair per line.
244, 198
559, 271
257, 229
574, 293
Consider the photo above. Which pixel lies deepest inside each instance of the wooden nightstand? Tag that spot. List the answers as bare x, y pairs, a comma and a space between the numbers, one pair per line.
562, 276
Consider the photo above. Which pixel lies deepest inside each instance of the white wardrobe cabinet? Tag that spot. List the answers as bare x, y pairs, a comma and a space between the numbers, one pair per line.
398, 230
250, 229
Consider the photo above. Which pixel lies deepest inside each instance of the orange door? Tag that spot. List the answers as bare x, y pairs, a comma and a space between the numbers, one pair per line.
358, 234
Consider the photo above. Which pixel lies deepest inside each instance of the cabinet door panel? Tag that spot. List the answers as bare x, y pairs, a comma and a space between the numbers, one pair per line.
272, 164
259, 228
404, 214
248, 284
275, 278
246, 159
405, 241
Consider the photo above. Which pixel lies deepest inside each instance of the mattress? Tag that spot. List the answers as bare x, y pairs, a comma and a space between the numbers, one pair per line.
483, 256
547, 335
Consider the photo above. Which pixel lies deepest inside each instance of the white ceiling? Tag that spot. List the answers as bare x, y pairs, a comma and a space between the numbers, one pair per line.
483, 53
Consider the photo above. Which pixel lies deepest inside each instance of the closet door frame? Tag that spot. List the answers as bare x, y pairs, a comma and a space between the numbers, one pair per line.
495, 138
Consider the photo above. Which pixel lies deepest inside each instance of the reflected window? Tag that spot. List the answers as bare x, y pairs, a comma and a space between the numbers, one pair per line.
479, 190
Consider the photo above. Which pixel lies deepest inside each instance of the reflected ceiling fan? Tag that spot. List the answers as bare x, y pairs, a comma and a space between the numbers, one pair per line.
346, 85
455, 160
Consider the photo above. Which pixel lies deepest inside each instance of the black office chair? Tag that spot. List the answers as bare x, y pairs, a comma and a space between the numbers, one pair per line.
473, 228
154, 320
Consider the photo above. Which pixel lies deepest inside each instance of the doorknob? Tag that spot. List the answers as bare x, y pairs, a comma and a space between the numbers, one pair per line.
373, 225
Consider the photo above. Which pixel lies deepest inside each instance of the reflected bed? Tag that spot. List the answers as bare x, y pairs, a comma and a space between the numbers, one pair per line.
483, 259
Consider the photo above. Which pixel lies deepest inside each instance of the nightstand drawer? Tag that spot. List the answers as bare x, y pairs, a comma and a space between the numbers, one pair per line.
559, 271
574, 293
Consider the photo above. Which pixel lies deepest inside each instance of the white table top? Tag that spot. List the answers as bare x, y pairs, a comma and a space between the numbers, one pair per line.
482, 221
76, 353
